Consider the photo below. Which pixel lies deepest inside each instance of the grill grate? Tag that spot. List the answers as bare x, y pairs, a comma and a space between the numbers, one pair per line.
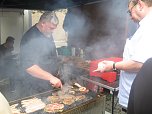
93, 104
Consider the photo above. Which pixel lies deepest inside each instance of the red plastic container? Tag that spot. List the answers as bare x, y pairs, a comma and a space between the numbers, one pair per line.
108, 76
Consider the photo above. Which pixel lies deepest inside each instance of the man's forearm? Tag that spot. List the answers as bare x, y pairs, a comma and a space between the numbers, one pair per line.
130, 66
38, 72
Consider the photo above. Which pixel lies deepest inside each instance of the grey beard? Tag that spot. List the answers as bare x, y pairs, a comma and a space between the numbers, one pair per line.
48, 35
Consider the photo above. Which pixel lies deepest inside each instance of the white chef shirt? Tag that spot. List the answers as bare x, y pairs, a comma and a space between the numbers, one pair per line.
4, 106
138, 48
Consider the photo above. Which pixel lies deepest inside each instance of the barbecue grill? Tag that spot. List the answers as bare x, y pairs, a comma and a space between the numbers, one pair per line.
93, 103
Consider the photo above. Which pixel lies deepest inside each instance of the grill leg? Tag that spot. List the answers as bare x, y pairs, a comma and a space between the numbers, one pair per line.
113, 96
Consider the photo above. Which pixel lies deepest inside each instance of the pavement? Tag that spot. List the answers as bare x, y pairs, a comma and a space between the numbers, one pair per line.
108, 105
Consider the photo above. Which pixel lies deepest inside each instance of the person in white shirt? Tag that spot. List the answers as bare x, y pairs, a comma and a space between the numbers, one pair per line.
4, 106
136, 51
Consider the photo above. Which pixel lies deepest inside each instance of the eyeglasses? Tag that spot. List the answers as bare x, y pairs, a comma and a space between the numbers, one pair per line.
129, 11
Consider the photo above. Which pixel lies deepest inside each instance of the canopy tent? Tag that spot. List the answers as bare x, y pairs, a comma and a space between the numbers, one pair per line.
44, 4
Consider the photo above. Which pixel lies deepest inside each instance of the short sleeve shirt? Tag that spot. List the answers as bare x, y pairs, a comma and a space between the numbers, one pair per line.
38, 49
138, 48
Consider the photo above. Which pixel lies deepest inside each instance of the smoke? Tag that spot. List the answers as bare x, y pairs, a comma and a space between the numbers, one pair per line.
99, 29
109, 33
69, 73
77, 25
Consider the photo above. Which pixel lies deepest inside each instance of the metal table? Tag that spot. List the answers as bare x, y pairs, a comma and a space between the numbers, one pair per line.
113, 87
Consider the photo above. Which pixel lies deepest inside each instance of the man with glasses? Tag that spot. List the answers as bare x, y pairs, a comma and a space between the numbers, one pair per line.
137, 49
140, 95
132, 5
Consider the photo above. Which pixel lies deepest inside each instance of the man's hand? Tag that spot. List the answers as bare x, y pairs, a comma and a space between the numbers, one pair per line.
108, 65
104, 66
101, 67
55, 82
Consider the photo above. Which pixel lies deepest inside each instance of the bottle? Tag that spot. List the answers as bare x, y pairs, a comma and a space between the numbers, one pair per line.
81, 53
73, 51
